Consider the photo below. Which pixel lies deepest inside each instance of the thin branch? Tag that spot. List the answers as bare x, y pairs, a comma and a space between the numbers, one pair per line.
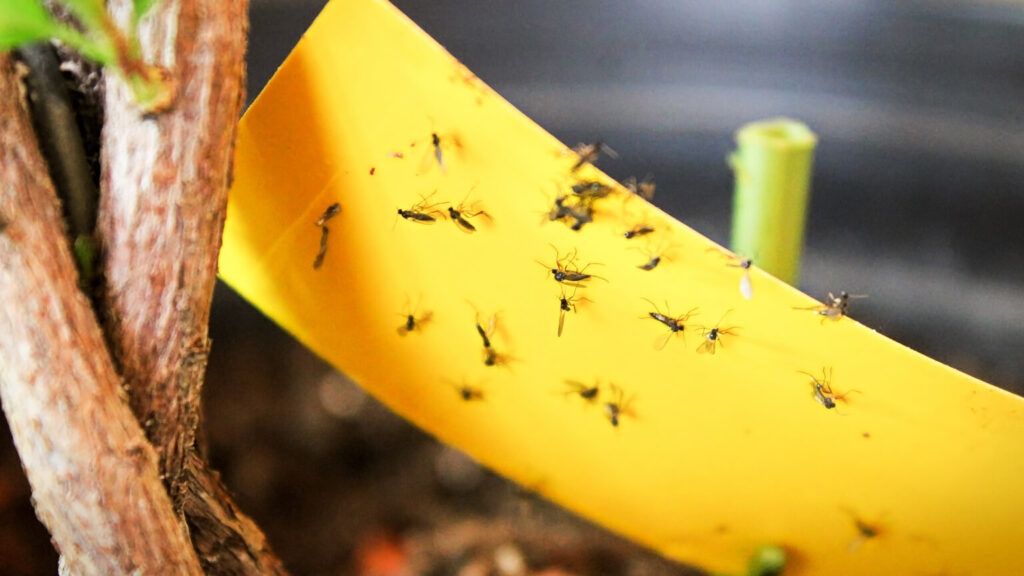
59, 138
94, 476
165, 181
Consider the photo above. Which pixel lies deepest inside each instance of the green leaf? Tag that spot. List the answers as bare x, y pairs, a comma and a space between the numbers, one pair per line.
91, 13
23, 22
141, 7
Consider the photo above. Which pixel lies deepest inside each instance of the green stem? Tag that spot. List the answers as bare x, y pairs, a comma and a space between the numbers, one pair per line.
772, 164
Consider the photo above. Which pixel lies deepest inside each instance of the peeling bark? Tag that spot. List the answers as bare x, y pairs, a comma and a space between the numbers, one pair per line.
164, 194
94, 477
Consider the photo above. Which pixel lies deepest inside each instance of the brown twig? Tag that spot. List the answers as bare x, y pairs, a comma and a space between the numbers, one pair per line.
94, 478
164, 183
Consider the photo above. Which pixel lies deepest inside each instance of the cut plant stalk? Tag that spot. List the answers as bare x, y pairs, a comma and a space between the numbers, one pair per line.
705, 458
772, 168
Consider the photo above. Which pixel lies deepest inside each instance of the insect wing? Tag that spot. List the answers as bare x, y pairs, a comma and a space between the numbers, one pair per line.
439, 156
707, 346
662, 341
405, 328
746, 288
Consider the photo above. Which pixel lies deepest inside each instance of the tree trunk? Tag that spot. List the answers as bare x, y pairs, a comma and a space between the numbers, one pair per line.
164, 192
94, 476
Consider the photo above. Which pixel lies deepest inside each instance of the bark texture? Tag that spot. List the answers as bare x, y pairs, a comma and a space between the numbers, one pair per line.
94, 476
164, 191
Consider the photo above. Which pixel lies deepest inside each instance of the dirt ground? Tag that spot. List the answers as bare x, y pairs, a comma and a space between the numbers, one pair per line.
343, 486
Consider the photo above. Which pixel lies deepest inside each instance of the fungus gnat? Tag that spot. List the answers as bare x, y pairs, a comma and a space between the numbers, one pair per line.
439, 145
585, 391
321, 222
567, 304
486, 333
823, 392
746, 288
643, 188
565, 270
413, 322
467, 392
650, 264
423, 212
835, 307
494, 358
490, 355
865, 530
618, 407
591, 190
654, 257
571, 207
461, 214
713, 336
588, 154
638, 231
435, 141
559, 211
675, 324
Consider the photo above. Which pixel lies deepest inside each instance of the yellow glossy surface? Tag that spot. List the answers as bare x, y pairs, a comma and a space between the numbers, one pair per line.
717, 454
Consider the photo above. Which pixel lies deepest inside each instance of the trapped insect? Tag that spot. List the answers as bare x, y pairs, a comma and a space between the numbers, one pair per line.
746, 288
413, 322
565, 270
461, 214
440, 145
618, 407
713, 336
643, 188
486, 333
675, 324
654, 257
823, 392
567, 304
322, 253
638, 231
491, 355
835, 307
423, 212
467, 392
332, 211
571, 207
650, 264
321, 222
587, 392
865, 530
494, 358
435, 141
591, 190
588, 153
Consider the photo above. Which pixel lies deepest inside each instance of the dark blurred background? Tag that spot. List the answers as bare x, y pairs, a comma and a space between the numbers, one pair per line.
918, 199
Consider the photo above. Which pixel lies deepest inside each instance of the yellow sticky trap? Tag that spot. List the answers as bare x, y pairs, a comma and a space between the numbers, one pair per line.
714, 455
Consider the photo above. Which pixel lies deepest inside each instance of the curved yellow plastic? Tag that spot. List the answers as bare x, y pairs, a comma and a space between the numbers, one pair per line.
917, 470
